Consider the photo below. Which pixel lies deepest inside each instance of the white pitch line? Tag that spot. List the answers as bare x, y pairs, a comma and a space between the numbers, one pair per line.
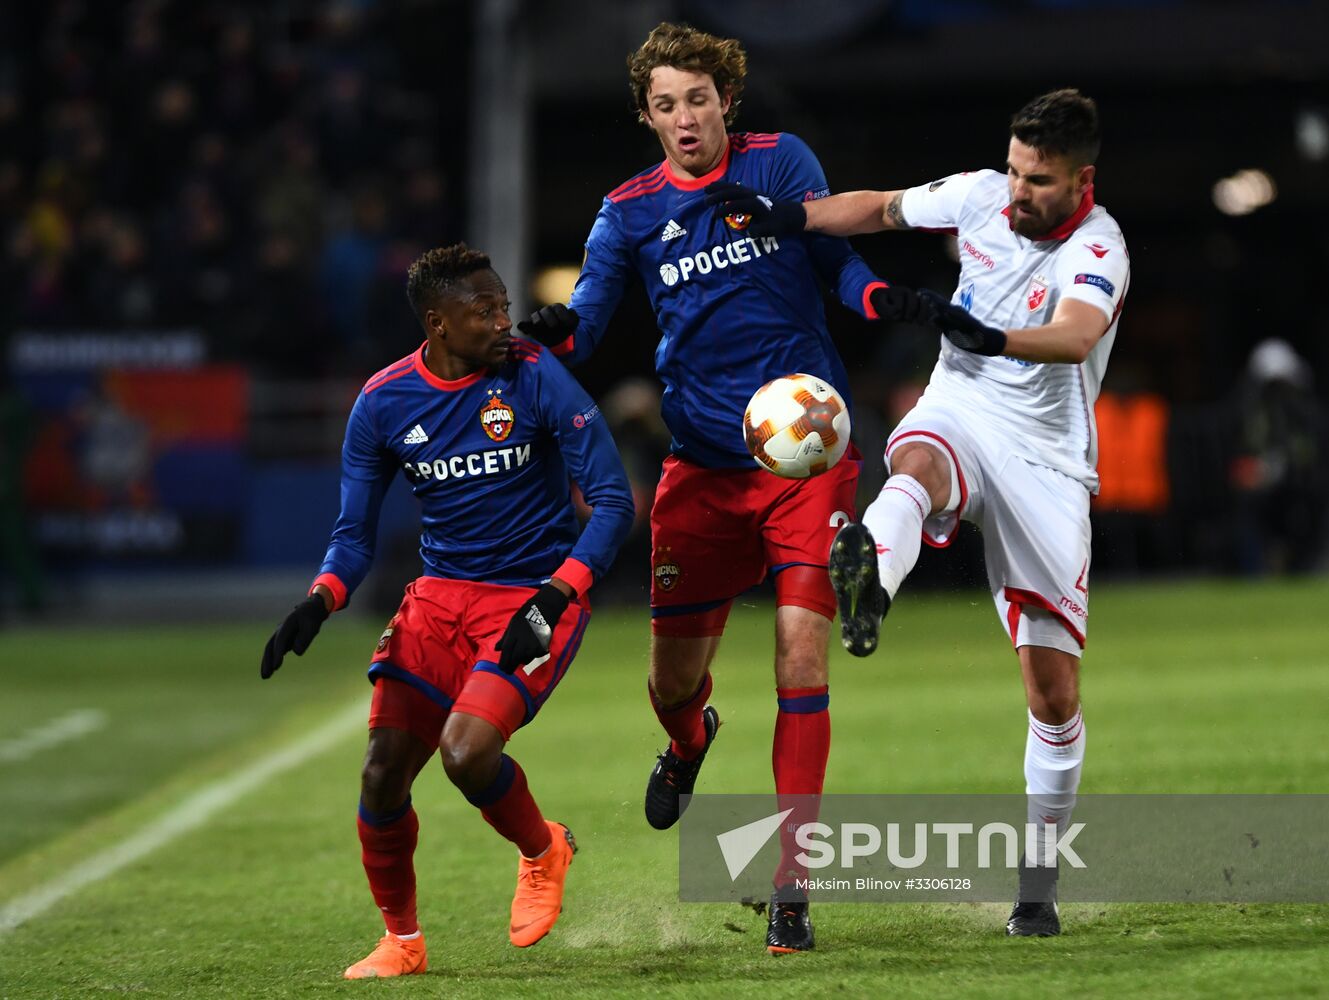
78, 723
186, 816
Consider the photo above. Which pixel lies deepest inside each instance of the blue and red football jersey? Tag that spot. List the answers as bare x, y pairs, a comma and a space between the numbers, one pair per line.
734, 311
490, 457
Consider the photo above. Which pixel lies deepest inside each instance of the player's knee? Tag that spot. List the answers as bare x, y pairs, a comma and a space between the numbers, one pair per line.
801, 638
384, 784
678, 666
928, 466
1054, 701
469, 762
672, 689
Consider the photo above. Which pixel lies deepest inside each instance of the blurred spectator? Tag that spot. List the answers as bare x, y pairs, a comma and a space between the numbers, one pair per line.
273, 330
293, 199
1280, 473
118, 279
346, 273
200, 259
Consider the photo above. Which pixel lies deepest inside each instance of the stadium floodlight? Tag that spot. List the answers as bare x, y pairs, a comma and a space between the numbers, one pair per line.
1244, 192
554, 283
1312, 135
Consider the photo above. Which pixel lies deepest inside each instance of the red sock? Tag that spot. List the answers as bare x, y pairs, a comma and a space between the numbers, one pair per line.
798, 757
687, 733
387, 846
507, 806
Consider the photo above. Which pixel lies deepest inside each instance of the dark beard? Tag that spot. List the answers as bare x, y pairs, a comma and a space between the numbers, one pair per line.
1028, 227
1033, 227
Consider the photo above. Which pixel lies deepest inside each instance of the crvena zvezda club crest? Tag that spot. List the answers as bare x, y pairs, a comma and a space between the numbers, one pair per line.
496, 416
1038, 291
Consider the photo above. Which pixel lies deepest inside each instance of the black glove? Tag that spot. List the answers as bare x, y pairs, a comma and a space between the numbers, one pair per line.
900, 303
961, 328
294, 634
551, 325
769, 218
531, 628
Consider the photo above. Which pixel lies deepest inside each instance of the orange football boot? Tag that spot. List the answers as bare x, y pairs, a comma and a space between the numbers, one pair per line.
392, 957
539, 897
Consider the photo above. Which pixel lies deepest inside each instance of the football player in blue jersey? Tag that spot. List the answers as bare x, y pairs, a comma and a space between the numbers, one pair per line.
488, 430
734, 312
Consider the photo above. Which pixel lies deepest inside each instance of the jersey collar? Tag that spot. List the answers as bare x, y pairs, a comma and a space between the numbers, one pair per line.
1067, 227
441, 383
697, 183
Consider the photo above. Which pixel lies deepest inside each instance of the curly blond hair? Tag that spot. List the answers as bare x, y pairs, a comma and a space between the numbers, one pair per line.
684, 47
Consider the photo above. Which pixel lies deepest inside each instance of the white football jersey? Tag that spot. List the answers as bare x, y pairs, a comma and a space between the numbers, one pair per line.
1010, 282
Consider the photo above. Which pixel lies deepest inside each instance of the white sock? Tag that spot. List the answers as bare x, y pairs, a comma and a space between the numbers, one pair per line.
1053, 756
407, 937
895, 519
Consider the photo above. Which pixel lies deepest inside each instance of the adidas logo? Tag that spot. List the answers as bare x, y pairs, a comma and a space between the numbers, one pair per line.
672, 231
417, 436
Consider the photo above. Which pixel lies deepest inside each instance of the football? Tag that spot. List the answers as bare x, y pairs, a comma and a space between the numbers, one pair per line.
796, 426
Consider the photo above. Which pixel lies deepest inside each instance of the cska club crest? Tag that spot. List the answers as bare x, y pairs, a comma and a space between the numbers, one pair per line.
1038, 291
665, 570
387, 634
496, 416
737, 221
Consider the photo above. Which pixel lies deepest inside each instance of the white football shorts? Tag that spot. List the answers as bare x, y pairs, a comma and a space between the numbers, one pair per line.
1034, 520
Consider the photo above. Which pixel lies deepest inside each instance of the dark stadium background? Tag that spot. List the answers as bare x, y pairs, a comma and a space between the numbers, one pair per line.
207, 209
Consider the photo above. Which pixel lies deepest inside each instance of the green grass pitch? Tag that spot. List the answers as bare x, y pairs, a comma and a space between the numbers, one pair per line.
1188, 687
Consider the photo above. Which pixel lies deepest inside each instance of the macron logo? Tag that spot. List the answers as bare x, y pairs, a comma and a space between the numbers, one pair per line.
672, 231
417, 436
741, 844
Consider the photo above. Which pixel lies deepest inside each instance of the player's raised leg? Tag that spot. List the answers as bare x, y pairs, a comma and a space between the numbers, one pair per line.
1053, 759
870, 560
388, 827
679, 688
704, 551
859, 596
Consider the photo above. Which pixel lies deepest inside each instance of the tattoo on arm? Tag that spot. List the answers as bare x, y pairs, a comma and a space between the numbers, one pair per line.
894, 214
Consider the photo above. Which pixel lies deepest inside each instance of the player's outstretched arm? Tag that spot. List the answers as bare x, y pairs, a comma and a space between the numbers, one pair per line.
1072, 333
856, 212
297, 630
367, 470
847, 214
1067, 339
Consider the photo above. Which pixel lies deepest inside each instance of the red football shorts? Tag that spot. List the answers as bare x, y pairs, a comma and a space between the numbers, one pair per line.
717, 532
440, 646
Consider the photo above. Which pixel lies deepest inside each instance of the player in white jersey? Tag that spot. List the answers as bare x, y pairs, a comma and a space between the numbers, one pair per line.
1004, 436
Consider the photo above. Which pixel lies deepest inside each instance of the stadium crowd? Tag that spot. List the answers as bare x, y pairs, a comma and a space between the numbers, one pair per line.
268, 172
265, 174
